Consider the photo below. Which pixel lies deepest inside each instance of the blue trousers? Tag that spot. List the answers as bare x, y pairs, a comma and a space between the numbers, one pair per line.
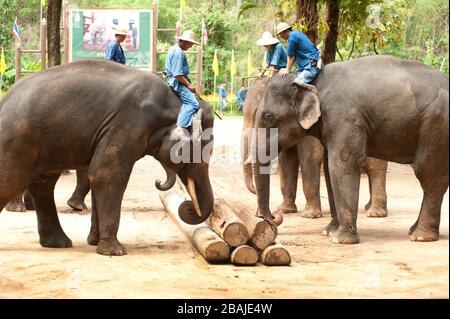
307, 76
189, 107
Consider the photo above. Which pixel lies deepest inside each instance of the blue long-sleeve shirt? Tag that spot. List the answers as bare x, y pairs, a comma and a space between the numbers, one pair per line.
176, 65
301, 47
277, 57
114, 52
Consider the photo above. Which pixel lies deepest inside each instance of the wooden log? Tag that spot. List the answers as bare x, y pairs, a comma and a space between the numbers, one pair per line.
207, 242
262, 233
275, 255
227, 225
244, 256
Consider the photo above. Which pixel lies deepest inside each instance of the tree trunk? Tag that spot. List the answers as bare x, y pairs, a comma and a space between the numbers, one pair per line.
308, 10
53, 32
332, 18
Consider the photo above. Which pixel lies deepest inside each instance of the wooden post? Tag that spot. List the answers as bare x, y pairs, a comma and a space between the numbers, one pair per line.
154, 56
262, 233
207, 242
66, 31
244, 256
227, 225
275, 255
43, 44
198, 75
18, 62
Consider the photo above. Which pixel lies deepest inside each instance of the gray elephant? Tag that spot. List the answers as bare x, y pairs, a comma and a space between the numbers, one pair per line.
307, 154
101, 116
379, 106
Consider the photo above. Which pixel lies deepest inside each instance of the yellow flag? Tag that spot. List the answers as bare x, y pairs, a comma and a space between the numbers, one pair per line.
43, 3
183, 4
215, 64
249, 63
2, 63
233, 68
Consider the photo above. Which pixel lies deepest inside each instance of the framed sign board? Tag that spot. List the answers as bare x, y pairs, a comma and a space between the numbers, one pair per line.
92, 29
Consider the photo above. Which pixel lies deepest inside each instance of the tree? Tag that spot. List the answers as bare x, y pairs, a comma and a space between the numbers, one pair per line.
53, 32
331, 38
307, 15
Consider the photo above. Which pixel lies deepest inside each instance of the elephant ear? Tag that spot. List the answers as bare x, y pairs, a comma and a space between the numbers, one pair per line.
307, 104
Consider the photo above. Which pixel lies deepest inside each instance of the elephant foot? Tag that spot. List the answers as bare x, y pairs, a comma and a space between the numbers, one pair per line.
377, 212
276, 218
16, 206
59, 241
110, 247
311, 211
77, 203
331, 227
345, 234
287, 207
418, 233
93, 238
28, 201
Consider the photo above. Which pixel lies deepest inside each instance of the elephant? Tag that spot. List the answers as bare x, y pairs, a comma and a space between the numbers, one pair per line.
103, 117
378, 106
308, 154
24, 202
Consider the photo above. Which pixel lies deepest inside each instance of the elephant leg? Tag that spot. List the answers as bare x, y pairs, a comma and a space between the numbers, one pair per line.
432, 172
50, 232
93, 237
334, 224
109, 173
288, 165
347, 154
16, 205
376, 171
28, 200
310, 154
76, 201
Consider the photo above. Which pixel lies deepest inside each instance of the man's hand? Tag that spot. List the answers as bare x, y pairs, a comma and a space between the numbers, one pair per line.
192, 88
284, 72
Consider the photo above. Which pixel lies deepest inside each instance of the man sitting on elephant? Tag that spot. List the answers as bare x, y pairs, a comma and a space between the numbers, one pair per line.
177, 70
301, 50
276, 56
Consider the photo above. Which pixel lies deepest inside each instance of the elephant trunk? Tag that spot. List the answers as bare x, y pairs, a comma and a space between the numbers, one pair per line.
170, 180
246, 162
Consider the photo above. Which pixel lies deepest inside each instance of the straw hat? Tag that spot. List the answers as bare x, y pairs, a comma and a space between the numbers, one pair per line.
188, 36
282, 26
267, 39
121, 31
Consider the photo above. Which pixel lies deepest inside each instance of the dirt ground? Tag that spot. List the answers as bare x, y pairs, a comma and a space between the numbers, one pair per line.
161, 262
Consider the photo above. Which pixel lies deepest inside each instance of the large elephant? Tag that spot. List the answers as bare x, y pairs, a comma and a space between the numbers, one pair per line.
306, 154
102, 116
381, 106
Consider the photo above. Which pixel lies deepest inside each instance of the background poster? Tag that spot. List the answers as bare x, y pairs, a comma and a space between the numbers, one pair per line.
91, 30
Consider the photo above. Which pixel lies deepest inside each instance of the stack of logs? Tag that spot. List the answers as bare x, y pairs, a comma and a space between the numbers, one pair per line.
230, 234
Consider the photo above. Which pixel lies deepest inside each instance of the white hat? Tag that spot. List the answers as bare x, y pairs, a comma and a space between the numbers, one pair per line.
188, 36
282, 26
121, 31
267, 39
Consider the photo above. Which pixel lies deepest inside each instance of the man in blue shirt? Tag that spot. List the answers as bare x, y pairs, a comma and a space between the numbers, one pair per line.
302, 51
177, 71
223, 97
114, 51
240, 97
276, 56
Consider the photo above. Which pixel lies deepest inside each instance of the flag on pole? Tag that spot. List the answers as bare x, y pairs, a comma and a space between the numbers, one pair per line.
233, 68
215, 64
43, 3
204, 32
249, 63
183, 4
2, 63
16, 30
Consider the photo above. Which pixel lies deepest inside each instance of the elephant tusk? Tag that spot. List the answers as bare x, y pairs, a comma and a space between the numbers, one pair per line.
191, 190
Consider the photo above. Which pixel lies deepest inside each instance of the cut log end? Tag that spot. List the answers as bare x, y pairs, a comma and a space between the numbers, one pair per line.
244, 256
275, 255
236, 234
264, 234
217, 252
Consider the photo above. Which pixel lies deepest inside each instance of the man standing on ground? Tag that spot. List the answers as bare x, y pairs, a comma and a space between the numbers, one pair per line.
223, 98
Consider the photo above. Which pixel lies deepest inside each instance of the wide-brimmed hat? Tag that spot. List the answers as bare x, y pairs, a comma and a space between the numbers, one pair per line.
121, 31
188, 36
267, 39
282, 26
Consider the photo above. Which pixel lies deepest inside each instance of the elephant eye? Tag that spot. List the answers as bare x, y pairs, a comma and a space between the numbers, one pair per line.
269, 119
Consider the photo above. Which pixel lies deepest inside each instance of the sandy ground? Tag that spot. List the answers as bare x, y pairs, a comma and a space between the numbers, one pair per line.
161, 263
